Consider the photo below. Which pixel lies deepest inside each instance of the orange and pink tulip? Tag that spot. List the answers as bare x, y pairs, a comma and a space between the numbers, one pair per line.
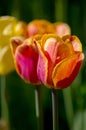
48, 59
44, 26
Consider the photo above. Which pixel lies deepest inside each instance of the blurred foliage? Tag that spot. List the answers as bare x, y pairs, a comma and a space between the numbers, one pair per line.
20, 95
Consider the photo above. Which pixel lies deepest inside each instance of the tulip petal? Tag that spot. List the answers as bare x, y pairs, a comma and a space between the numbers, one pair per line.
64, 51
65, 72
5, 21
42, 66
77, 46
15, 42
50, 44
6, 61
20, 29
26, 63
62, 29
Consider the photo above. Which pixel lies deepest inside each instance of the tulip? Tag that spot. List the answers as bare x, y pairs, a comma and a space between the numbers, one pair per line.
48, 59
44, 26
39, 27
9, 27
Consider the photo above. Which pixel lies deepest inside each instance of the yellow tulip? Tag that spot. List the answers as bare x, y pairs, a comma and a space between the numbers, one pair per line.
9, 27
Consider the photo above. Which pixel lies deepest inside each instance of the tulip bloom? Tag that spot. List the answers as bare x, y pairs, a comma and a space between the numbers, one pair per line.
9, 27
39, 27
48, 59
44, 26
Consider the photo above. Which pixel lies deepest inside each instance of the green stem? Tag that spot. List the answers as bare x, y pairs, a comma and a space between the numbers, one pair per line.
68, 105
4, 108
38, 103
55, 109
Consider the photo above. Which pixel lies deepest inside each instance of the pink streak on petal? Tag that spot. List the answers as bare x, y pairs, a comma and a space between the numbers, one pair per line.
51, 46
42, 67
26, 60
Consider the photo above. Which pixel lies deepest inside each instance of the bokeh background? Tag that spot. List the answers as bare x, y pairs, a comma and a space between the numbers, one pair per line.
20, 95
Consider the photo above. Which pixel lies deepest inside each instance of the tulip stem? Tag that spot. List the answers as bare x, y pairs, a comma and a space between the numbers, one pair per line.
55, 109
38, 103
4, 108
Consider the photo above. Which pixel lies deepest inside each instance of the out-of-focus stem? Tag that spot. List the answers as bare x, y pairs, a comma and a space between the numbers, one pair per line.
55, 109
4, 108
38, 104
